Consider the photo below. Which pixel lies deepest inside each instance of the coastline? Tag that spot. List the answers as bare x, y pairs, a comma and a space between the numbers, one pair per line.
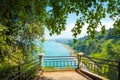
70, 49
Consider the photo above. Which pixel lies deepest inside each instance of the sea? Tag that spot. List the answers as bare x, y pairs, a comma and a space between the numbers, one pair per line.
55, 49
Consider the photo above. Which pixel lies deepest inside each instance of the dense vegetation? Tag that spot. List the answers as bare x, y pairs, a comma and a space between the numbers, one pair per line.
105, 46
23, 21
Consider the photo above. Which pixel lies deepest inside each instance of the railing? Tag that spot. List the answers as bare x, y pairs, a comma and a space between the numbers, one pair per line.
59, 62
106, 68
21, 72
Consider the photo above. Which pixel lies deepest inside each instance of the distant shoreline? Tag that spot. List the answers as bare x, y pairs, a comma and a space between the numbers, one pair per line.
70, 49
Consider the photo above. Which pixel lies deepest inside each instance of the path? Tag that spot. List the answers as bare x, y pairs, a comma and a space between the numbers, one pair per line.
61, 75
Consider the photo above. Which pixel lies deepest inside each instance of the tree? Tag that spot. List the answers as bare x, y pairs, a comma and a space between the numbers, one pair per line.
22, 21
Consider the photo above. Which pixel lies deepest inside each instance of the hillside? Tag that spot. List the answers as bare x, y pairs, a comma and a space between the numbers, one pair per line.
60, 40
105, 46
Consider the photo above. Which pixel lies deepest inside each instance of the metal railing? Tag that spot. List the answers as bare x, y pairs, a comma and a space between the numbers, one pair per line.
59, 62
21, 72
106, 68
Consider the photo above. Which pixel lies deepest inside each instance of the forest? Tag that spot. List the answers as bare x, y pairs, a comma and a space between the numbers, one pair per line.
104, 46
24, 21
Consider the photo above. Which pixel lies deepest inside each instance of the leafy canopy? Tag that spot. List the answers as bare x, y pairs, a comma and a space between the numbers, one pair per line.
90, 12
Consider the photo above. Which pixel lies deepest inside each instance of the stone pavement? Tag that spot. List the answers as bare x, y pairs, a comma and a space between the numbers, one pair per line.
60, 75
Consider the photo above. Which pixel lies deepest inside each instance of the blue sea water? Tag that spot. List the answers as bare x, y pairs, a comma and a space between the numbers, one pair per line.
55, 49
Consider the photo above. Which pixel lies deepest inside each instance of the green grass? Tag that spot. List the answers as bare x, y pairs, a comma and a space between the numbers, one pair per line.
49, 68
69, 67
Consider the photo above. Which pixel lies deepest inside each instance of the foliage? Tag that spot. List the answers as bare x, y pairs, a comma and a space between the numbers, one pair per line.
49, 68
18, 31
69, 67
23, 21
53, 14
105, 46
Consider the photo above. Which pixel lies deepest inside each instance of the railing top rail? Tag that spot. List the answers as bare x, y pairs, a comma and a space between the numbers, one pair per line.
59, 56
28, 62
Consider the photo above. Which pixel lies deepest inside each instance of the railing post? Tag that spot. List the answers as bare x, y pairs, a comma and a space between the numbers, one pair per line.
119, 70
80, 60
40, 58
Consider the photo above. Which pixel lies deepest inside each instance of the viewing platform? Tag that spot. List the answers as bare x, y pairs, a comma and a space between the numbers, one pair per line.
79, 67
61, 75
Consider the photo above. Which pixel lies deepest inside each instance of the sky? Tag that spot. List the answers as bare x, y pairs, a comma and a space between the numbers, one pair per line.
70, 24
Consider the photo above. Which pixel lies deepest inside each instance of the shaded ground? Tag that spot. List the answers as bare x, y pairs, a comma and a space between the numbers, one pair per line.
60, 75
